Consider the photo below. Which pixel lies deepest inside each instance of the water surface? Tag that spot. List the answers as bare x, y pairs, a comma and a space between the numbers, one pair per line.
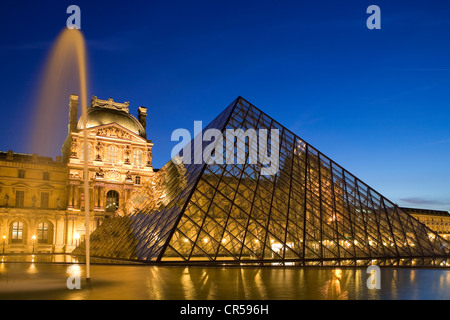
24, 279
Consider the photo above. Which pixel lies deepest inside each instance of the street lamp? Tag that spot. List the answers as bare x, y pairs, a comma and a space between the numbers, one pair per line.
4, 238
34, 239
76, 236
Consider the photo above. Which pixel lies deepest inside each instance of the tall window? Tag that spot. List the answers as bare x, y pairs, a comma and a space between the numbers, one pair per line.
137, 157
112, 201
112, 154
44, 200
20, 198
22, 174
137, 180
17, 232
45, 176
43, 234
89, 155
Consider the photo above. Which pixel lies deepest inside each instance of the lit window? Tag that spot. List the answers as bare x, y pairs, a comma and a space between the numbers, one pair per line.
137, 157
112, 154
43, 233
17, 232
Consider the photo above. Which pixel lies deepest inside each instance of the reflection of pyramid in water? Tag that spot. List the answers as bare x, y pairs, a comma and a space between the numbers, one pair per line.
312, 212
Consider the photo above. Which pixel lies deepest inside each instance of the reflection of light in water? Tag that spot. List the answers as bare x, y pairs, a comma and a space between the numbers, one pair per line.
187, 285
332, 289
240, 280
412, 276
337, 273
155, 283
32, 269
197, 284
260, 284
394, 284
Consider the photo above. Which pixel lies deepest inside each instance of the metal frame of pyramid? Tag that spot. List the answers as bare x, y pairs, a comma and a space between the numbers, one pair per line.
312, 212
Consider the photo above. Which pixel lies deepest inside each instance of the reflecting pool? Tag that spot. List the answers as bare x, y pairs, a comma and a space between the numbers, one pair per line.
22, 278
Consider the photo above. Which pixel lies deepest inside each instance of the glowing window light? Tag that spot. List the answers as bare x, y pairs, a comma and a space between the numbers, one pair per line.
277, 246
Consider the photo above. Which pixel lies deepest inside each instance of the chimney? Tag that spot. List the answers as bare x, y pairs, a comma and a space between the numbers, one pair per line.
142, 117
73, 112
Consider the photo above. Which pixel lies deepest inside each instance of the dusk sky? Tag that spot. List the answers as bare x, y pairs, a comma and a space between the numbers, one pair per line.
375, 101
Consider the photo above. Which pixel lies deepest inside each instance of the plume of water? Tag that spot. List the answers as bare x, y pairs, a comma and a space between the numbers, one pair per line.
66, 68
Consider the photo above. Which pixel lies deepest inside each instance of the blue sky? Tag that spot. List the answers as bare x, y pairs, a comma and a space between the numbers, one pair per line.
375, 101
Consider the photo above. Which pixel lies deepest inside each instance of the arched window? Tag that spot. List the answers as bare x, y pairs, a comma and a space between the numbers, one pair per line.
112, 201
112, 154
137, 157
17, 232
44, 234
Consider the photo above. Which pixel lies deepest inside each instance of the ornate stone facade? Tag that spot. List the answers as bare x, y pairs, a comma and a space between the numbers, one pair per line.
42, 201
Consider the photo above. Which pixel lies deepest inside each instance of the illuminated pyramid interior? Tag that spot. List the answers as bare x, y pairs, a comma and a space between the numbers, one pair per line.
312, 212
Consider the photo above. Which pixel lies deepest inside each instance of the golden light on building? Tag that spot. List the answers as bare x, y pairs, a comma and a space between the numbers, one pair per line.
44, 197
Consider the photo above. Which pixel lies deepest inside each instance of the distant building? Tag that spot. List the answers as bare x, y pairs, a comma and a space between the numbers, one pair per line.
42, 200
436, 220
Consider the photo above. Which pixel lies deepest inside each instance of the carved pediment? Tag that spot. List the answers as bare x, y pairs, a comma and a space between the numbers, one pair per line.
113, 131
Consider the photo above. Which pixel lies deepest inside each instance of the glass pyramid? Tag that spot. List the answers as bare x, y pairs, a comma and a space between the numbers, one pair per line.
311, 212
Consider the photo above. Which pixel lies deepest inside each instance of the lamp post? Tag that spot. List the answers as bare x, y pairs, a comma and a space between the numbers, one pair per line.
4, 239
34, 239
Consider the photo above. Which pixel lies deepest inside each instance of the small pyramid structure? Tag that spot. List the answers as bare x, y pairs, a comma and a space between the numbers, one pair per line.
310, 212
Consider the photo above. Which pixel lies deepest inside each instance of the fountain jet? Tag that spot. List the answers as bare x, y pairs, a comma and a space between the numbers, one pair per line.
66, 60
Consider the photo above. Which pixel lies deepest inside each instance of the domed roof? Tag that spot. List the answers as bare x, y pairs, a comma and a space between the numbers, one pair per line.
98, 116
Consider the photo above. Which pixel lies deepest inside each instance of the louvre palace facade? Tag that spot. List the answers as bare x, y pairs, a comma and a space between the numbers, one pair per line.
42, 199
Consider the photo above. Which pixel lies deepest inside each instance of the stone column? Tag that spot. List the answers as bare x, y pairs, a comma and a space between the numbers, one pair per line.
102, 198
94, 197
99, 197
69, 196
59, 234
76, 202
5, 231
